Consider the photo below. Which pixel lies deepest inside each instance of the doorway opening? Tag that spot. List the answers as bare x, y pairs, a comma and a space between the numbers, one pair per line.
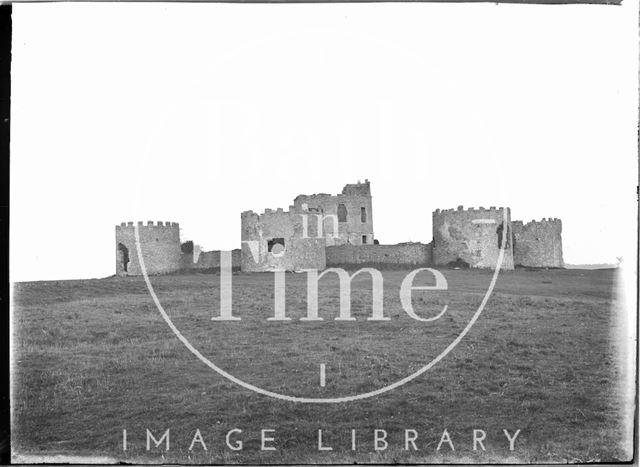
123, 257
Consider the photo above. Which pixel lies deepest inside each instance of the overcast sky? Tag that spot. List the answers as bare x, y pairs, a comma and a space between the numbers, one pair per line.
193, 113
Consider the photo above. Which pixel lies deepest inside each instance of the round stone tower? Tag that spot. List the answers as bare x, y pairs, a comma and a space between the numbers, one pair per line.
472, 237
160, 246
538, 243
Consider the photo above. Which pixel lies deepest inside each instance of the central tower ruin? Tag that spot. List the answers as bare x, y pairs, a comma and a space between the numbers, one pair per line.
279, 240
346, 218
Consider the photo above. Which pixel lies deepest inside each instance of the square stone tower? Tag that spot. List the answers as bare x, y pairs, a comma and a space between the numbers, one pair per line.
346, 218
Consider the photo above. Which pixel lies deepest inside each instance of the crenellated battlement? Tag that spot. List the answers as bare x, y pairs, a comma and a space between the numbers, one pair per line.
474, 236
551, 221
473, 210
149, 224
270, 212
314, 195
157, 241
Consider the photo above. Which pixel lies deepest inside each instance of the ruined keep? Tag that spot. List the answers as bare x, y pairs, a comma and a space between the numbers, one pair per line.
538, 243
345, 218
159, 243
472, 237
279, 240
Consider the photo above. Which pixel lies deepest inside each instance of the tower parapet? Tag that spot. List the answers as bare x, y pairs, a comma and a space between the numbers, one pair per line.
472, 236
359, 189
159, 244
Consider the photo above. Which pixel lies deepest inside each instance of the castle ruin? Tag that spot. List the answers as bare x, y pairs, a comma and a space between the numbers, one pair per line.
538, 243
278, 240
473, 237
345, 218
297, 239
162, 251
323, 230
159, 243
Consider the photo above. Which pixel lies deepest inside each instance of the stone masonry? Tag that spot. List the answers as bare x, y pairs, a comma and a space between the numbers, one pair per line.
160, 245
538, 243
410, 253
350, 211
472, 236
323, 230
276, 241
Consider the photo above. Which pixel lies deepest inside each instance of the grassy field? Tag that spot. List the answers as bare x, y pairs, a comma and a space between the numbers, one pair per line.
94, 357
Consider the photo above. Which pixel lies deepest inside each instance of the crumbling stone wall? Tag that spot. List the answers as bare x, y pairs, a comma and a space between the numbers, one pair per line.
211, 260
538, 243
403, 253
351, 208
160, 246
472, 236
276, 241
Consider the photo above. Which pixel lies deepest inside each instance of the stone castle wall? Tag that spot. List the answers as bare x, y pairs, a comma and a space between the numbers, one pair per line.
211, 259
472, 236
402, 253
538, 243
160, 246
352, 209
274, 241
304, 237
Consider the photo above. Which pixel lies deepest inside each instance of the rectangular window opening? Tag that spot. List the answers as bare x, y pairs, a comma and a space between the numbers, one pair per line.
342, 213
